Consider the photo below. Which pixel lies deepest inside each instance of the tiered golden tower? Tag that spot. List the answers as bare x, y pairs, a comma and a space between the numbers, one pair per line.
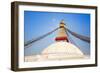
62, 36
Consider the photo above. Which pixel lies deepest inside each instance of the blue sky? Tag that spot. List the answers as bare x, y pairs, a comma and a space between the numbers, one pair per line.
39, 23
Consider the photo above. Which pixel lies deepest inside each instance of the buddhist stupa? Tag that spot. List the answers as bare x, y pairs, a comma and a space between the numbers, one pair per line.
62, 48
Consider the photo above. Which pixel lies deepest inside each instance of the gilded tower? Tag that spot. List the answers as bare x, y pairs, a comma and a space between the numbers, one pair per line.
61, 36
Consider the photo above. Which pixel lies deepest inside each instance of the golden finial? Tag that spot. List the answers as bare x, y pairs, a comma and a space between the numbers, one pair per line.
62, 24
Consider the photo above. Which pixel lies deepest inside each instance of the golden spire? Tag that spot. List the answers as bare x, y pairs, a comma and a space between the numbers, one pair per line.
62, 36
62, 24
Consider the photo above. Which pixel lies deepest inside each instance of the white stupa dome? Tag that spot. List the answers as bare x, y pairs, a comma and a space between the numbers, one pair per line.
61, 50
